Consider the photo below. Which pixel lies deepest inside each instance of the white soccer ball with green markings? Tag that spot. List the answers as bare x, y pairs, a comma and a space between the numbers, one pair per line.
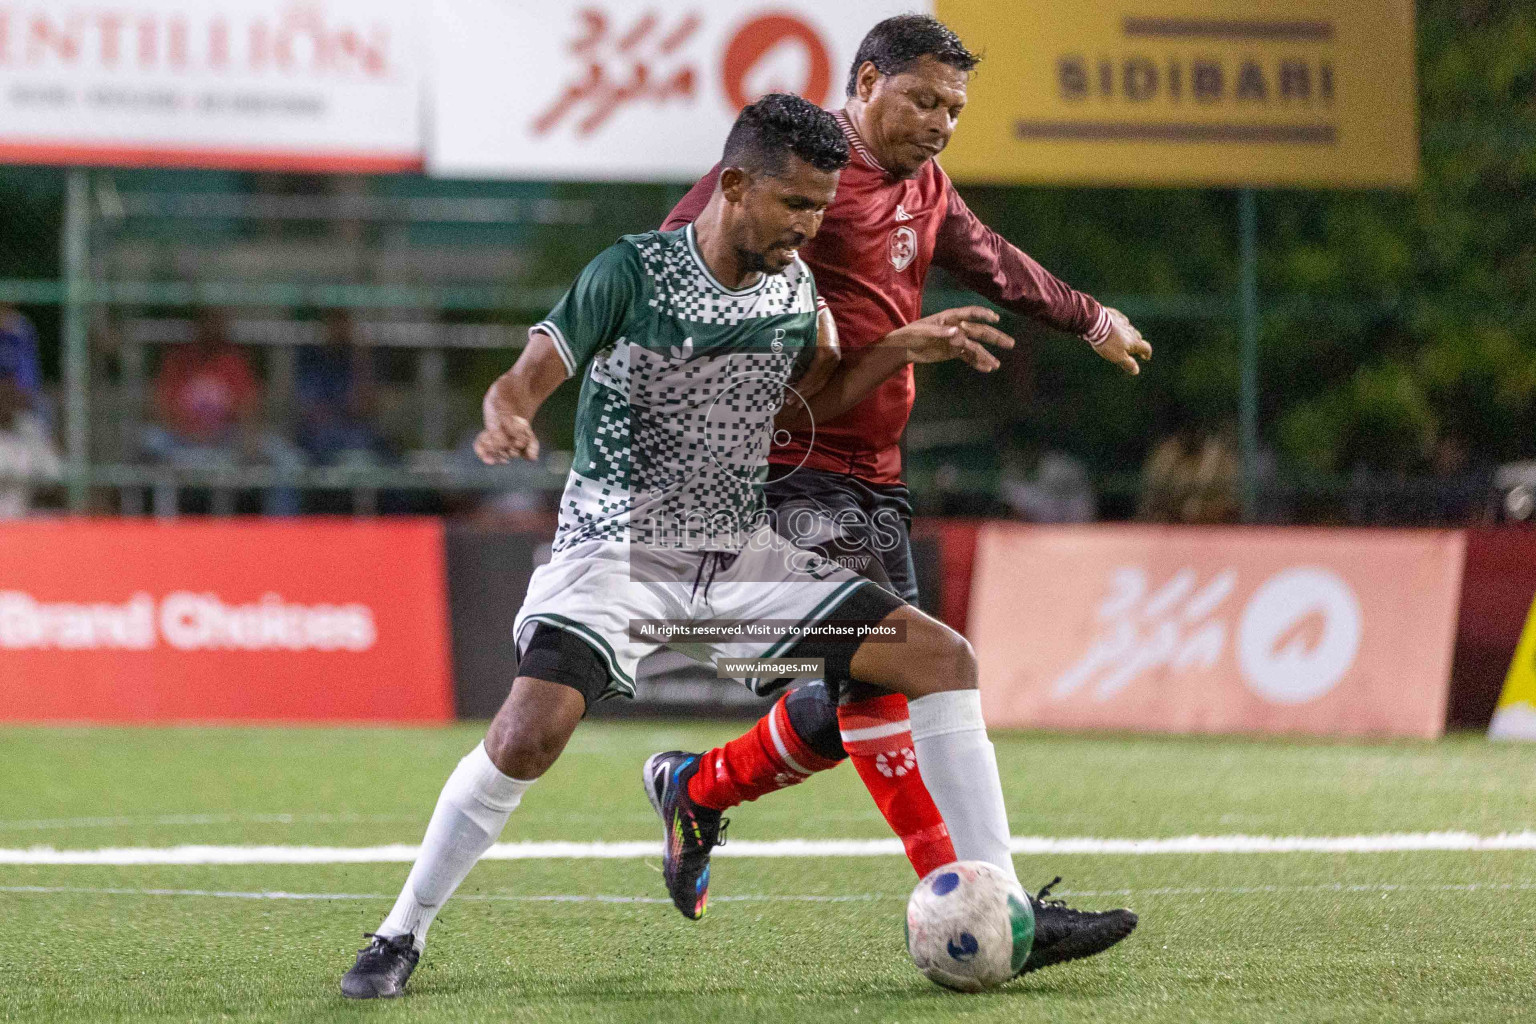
969, 926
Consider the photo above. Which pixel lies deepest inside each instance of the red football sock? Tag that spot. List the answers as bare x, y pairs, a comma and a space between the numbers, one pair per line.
767, 757
878, 738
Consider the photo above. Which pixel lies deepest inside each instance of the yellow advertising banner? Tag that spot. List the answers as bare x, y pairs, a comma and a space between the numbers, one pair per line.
1515, 717
1315, 93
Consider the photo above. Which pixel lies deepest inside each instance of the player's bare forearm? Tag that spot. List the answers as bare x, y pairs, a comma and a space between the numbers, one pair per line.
856, 376
825, 359
960, 334
516, 396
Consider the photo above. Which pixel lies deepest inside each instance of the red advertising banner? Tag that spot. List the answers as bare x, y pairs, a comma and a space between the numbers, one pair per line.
1179, 629
1497, 589
270, 620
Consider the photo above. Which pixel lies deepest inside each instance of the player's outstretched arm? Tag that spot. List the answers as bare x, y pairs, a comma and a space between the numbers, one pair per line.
963, 333
511, 402
990, 265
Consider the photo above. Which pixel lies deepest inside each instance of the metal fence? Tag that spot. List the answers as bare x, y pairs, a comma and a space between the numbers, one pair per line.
442, 278
431, 277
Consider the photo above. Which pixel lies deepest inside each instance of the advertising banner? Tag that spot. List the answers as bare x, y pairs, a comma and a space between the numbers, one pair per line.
603, 90
1498, 586
1178, 629
488, 573
132, 621
1199, 92
322, 85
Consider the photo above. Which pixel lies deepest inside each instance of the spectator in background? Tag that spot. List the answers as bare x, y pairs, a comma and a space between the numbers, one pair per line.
1463, 479
1059, 492
27, 453
208, 402
1191, 477
334, 384
19, 362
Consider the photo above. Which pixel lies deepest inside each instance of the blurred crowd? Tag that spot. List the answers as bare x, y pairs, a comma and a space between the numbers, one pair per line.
208, 405
208, 410
27, 450
209, 402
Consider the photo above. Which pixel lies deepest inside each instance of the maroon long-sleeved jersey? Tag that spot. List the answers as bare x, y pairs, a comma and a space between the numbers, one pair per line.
871, 258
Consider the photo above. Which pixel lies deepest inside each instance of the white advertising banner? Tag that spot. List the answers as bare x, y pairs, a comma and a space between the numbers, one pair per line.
599, 89
328, 85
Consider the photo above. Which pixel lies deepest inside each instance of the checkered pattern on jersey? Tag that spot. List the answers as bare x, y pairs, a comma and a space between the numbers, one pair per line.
681, 289
702, 433
677, 430
595, 503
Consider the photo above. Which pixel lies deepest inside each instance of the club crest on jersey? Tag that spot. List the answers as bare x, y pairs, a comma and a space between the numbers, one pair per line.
903, 247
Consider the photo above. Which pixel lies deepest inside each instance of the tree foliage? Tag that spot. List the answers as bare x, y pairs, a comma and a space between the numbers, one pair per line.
1400, 328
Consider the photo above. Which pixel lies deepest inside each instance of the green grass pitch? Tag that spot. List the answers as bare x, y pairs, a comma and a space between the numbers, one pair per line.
1422, 936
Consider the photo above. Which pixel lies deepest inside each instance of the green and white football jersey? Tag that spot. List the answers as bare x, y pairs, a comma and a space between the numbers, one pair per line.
683, 379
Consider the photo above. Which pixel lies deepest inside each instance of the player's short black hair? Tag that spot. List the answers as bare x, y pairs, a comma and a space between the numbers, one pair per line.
766, 132
896, 44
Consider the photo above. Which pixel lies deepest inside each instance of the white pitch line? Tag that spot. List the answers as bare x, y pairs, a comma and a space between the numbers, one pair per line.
1265, 890
1395, 842
1386, 842
50, 890
1226, 890
51, 824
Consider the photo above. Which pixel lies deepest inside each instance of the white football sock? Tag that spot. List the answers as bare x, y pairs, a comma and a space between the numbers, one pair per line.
470, 814
959, 767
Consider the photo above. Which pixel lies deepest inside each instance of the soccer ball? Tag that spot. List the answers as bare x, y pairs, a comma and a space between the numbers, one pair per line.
969, 926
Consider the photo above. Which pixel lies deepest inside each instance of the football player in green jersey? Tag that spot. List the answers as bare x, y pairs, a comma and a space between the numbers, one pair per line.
687, 342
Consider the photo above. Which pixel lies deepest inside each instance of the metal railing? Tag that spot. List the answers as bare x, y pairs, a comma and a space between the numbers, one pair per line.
110, 234
105, 227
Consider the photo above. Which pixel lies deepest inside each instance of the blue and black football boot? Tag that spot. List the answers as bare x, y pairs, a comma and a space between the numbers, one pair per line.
689, 832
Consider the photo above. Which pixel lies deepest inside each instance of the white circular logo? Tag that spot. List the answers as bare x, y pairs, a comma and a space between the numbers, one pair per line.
896, 763
740, 452
903, 247
1299, 635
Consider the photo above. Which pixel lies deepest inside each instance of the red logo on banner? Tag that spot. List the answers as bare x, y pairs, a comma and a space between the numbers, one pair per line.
1216, 630
300, 41
764, 36
644, 60
622, 65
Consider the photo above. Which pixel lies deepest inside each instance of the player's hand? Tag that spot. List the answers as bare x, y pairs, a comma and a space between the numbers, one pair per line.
825, 359
510, 437
507, 435
962, 333
1124, 343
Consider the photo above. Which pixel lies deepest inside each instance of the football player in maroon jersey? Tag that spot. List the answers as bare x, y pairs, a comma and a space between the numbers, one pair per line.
836, 486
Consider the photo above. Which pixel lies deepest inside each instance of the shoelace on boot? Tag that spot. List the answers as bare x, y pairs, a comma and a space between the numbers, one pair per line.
383, 942
1059, 907
1045, 891
711, 835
